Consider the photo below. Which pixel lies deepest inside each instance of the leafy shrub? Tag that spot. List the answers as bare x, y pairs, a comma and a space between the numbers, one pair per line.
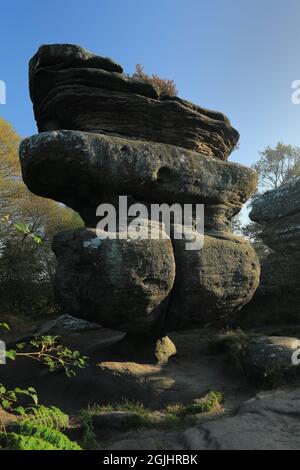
162, 85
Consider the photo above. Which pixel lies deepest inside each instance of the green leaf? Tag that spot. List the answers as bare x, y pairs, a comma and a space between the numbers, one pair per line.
5, 404
35, 398
11, 354
4, 326
20, 410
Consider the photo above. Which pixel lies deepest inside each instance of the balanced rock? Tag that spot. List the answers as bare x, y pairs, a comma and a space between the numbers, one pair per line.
105, 136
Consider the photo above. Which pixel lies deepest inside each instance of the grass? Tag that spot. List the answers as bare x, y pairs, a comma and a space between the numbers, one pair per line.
228, 339
174, 417
134, 407
230, 342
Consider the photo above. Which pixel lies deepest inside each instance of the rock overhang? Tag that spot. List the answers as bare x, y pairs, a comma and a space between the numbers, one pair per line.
66, 79
78, 168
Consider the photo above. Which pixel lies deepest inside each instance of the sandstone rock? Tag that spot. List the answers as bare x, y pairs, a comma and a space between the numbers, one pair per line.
74, 89
111, 136
212, 282
267, 356
269, 421
122, 284
164, 349
66, 322
277, 299
129, 285
81, 170
283, 234
275, 204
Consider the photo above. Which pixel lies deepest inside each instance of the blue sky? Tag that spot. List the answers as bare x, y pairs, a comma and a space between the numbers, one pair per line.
236, 56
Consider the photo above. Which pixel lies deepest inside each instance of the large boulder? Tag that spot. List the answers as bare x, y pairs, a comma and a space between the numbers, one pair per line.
122, 284
213, 282
66, 81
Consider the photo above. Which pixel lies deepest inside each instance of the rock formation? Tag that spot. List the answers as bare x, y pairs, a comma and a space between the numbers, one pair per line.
104, 135
278, 296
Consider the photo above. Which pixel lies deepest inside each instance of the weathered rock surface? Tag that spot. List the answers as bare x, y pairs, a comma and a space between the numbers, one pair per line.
68, 323
117, 283
269, 421
278, 211
278, 203
129, 285
268, 356
278, 296
212, 282
83, 169
103, 136
74, 89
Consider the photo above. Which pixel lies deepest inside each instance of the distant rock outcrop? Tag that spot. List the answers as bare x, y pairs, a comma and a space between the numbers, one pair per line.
104, 135
278, 296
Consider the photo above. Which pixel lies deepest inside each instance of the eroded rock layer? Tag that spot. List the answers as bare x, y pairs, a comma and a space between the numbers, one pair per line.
105, 136
74, 89
278, 296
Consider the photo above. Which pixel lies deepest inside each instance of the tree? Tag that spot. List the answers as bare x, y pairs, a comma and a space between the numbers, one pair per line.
26, 270
163, 86
275, 167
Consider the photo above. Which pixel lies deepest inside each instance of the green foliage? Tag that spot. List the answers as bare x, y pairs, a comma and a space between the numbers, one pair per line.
174, 417
32, 437
126, 405
51, 353
4, 326
175, 409
10, 398
14, 441
208, 404
50, 417
88, 441
26, 231
276, 166
37, 428
26, 220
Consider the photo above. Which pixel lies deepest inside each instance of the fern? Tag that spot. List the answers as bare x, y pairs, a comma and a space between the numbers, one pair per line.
13, 441
54, 437
50, 417
37, 438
